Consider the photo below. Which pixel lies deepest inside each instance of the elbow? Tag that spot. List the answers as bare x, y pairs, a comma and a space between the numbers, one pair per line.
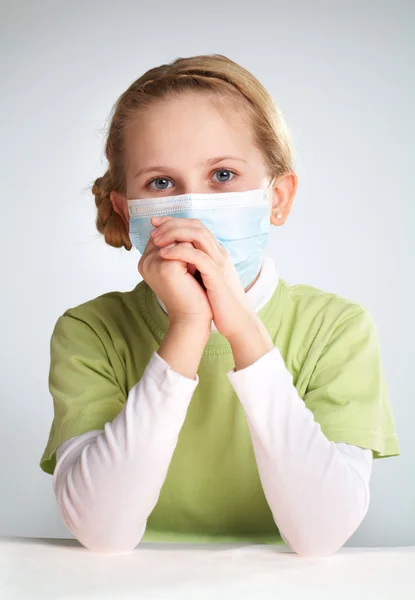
97, 528
108, 542
325, 540
105, 546
312, 546
315, 549
321, 538
101, 535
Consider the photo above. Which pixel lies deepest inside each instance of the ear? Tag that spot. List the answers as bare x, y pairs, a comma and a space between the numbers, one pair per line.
283, 193
119, 204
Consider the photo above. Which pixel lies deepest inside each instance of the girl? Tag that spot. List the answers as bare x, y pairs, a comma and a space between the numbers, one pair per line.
214, 401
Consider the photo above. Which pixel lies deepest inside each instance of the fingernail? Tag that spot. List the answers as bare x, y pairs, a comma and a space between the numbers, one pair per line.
155, 219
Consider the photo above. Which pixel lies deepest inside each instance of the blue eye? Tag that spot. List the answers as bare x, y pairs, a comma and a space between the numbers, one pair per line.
225, 175
161, 183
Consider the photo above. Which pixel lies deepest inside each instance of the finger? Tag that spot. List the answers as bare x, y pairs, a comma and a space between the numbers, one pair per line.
164, 223
190, 254
199, 237
170, 223
159, 220
190, 267
150, 253
173, 223
150, 246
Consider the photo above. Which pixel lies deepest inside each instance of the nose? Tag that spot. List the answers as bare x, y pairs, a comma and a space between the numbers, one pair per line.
193, 183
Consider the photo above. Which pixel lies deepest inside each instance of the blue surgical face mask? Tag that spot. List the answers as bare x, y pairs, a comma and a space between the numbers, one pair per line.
240, 221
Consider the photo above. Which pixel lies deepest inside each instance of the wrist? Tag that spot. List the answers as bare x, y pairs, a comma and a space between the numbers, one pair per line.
197, 329
251, 343
250, 325
183, 346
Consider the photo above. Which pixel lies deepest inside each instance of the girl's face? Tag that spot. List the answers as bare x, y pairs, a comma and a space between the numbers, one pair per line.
188, 145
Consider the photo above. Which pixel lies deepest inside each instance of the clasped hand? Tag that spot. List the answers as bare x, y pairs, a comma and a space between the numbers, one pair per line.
179, 246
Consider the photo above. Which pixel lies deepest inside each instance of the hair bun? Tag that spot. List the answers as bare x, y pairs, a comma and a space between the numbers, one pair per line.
108, 222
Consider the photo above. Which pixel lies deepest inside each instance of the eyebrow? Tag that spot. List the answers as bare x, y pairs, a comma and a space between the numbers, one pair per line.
210, 161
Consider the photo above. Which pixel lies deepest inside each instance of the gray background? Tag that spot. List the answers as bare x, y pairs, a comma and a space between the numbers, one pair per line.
339, 71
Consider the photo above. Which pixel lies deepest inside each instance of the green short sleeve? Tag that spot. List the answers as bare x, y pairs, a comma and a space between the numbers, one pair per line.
85, 391
347, 391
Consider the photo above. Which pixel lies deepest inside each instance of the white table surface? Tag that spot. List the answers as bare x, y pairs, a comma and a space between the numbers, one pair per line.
32, 569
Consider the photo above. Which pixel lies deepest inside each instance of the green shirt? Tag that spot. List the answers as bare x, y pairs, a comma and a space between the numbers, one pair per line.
330, 345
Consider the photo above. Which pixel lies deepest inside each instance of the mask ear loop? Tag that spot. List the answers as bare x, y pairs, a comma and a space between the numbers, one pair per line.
269, 196
278, 214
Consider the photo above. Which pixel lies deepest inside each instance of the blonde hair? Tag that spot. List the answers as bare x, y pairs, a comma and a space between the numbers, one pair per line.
215, 74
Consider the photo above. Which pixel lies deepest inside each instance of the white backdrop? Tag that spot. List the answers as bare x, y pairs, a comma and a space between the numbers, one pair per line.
339, 71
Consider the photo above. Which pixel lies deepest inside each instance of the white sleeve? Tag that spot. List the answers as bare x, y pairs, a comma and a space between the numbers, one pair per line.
317, 490
107, 482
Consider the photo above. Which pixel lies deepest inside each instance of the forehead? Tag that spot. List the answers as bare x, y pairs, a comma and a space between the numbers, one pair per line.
190, 127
